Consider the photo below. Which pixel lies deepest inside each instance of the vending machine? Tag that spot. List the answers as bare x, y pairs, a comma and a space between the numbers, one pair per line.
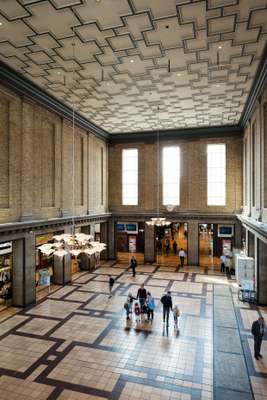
245, 271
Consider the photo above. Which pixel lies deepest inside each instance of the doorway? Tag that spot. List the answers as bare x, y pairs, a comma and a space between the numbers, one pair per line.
210, 246
130, 241
169, 240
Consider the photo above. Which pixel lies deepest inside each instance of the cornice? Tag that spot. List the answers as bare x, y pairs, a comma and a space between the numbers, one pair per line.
24, 87
256, 227
186, 134
258, 86
35, 225
175, 217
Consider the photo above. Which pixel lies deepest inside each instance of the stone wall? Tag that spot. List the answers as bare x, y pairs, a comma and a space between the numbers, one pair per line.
36, 164
193, 184
255, 162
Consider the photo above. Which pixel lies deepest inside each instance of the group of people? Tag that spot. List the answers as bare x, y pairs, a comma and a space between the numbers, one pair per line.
144, 305
141, 305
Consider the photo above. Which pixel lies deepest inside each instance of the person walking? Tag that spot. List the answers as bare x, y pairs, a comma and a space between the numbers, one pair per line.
174, 246
181, 256
141, 296
223, 261
151, 305
166, 300
111, 283
167, 247
257, 331
129, 305
176, 315
133, 265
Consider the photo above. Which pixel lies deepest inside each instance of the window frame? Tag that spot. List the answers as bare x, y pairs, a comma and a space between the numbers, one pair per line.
172, 182
124, 185
211, 203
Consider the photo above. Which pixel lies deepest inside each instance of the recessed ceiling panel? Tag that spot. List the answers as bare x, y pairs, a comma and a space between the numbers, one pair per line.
193, 60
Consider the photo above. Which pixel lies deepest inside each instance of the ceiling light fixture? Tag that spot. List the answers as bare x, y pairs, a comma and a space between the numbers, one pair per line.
1, 23
73, 243
219, 47
131, 60
158, 221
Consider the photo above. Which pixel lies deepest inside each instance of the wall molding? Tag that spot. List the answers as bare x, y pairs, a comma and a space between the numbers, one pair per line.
256, 227
175, 217
14, 228
173, 134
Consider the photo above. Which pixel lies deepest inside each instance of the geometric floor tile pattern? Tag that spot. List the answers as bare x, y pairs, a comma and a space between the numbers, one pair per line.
77, 344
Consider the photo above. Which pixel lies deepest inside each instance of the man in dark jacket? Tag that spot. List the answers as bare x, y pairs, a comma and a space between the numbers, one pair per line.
133, 265
141, 295
257, 331
110, 284
166, 300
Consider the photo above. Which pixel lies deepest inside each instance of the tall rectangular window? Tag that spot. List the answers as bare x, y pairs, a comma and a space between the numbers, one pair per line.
171, 175
130, 177
216, 163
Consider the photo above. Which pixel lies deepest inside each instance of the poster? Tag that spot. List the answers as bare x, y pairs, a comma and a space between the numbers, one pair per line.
132, 243
44, 277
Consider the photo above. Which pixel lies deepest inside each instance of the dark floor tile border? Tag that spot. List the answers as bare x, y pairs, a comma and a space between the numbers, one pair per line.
114, 321
219, 392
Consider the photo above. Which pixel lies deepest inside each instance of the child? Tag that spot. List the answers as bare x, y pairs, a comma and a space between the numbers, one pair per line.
151, 305
137, 311
176, 315
129, 302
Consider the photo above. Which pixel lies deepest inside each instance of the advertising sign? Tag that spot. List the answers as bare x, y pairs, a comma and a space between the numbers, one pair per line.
132, 243
44, 277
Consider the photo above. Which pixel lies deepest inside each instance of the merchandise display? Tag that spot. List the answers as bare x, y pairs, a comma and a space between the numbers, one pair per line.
5, 279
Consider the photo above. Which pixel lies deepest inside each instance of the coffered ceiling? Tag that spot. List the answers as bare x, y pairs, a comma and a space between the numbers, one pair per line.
194, 61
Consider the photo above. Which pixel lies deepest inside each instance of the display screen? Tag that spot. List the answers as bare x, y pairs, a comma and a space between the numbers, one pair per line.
131, 227
120, 227
225, 230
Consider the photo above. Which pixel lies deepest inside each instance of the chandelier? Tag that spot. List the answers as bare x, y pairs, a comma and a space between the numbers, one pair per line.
158, 221
74, 243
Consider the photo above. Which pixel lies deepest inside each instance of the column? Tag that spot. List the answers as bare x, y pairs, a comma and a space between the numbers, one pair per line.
27, 175
238, 235
251, 244
62, 269
149, 243
262, 273
24, 271
92, 230
192, 243
111, 240
104, 239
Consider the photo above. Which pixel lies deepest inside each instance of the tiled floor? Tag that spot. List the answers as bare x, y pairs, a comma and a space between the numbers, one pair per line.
77, 344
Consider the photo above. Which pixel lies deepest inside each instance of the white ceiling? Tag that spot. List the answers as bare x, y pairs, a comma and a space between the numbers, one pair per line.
121, 54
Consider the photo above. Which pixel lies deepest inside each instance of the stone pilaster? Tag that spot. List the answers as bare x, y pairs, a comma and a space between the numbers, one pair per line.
24, 271
193, 243
149, 243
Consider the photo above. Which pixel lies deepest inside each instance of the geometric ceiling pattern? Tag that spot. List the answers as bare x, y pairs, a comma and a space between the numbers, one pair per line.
137, 65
